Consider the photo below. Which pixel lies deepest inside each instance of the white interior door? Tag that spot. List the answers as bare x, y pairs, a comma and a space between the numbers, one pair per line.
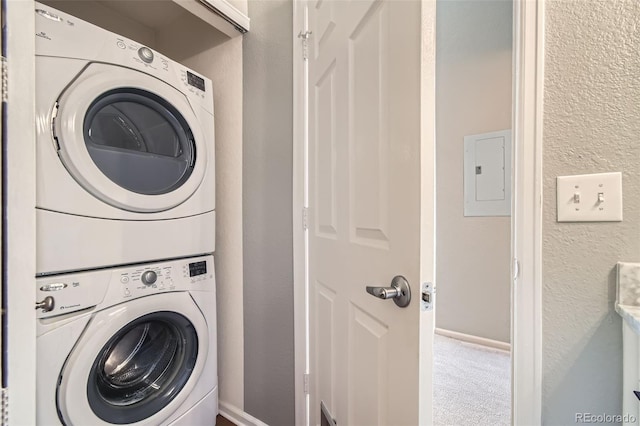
371, 199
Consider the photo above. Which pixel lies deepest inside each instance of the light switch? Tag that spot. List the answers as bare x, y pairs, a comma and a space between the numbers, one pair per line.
590, 198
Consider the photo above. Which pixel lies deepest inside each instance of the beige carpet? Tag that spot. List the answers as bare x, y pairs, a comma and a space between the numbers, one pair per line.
471, 384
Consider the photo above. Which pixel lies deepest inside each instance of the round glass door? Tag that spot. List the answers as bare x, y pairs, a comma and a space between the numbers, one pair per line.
130, 140
142, 367
139, 141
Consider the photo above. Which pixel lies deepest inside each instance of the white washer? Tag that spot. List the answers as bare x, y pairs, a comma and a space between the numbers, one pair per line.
134, 345
125, 150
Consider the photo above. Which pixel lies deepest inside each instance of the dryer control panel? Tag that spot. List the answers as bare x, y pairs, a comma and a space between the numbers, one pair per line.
67, 293
59, 34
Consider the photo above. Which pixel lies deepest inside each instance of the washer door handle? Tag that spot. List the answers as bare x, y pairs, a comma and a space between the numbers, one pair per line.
47, 304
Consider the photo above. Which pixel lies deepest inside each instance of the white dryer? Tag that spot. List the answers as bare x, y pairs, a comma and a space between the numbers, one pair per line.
134, 345
125, 150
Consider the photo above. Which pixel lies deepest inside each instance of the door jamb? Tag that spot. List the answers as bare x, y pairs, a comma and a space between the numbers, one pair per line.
300, 204
20, 238
526, 235
526, 223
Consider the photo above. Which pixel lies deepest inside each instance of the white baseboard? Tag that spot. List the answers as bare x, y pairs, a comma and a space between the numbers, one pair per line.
238, 416
495, 344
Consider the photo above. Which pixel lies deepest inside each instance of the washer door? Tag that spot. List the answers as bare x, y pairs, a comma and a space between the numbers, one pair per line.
135, 362
130, 139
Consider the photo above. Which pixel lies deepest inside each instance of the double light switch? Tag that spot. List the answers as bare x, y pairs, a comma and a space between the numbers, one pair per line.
590, 198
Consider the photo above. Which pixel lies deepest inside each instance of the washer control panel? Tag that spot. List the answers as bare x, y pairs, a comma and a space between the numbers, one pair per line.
63, 294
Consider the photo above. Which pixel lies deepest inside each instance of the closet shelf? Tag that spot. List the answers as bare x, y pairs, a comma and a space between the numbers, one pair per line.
155, 14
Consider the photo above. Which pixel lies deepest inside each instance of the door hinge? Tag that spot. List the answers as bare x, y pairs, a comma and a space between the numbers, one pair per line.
305, 218
305, 379
5, 80
305, 36
4, 407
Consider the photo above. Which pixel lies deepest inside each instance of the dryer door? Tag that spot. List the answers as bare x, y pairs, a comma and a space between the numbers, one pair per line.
135, 362
130, 139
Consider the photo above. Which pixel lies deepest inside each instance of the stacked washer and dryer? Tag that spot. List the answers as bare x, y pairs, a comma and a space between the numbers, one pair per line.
126, 307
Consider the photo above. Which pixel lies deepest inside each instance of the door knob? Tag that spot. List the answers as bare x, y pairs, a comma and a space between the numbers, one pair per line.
46, 305
399, 291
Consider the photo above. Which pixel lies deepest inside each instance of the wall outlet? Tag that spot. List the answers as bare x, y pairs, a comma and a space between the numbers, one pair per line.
590, 198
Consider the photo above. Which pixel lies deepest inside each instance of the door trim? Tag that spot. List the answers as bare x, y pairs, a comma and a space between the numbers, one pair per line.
20, 239
526, 222
300, 204
526, 212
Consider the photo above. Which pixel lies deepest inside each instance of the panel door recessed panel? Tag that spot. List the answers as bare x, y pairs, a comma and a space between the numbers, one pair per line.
324, 24
325, 345
369, 337
368, 129
325, 147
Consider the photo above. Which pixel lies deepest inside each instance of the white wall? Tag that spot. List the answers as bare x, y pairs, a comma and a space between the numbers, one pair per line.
591, 124
473, 95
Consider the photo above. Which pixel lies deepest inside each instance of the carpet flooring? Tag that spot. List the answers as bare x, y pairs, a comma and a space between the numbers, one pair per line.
472, 384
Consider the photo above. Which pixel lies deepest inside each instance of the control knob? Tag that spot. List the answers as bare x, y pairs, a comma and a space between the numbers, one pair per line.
145, 54
149, 277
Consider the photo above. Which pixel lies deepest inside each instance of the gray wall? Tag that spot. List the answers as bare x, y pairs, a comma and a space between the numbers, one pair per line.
591, 124
268, 235
473, 95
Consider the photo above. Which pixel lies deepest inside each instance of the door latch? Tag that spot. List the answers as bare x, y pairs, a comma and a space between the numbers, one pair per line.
426, 298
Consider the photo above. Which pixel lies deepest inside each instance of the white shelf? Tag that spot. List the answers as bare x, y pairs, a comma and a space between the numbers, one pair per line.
218, 13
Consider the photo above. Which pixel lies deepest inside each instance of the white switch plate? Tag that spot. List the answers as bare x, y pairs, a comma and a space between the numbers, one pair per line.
578, 198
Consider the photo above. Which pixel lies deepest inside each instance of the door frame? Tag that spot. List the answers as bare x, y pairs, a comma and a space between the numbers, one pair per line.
526, 218
300, 204
19, 241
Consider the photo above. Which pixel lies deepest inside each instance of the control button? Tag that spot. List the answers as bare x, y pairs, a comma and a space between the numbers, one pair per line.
53, 287
145, 54
127, 292
149, 277
121, 44
124, 279
48, 15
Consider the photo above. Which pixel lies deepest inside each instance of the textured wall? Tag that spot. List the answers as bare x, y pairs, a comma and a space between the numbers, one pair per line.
591, 124
268, 232
473, 95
